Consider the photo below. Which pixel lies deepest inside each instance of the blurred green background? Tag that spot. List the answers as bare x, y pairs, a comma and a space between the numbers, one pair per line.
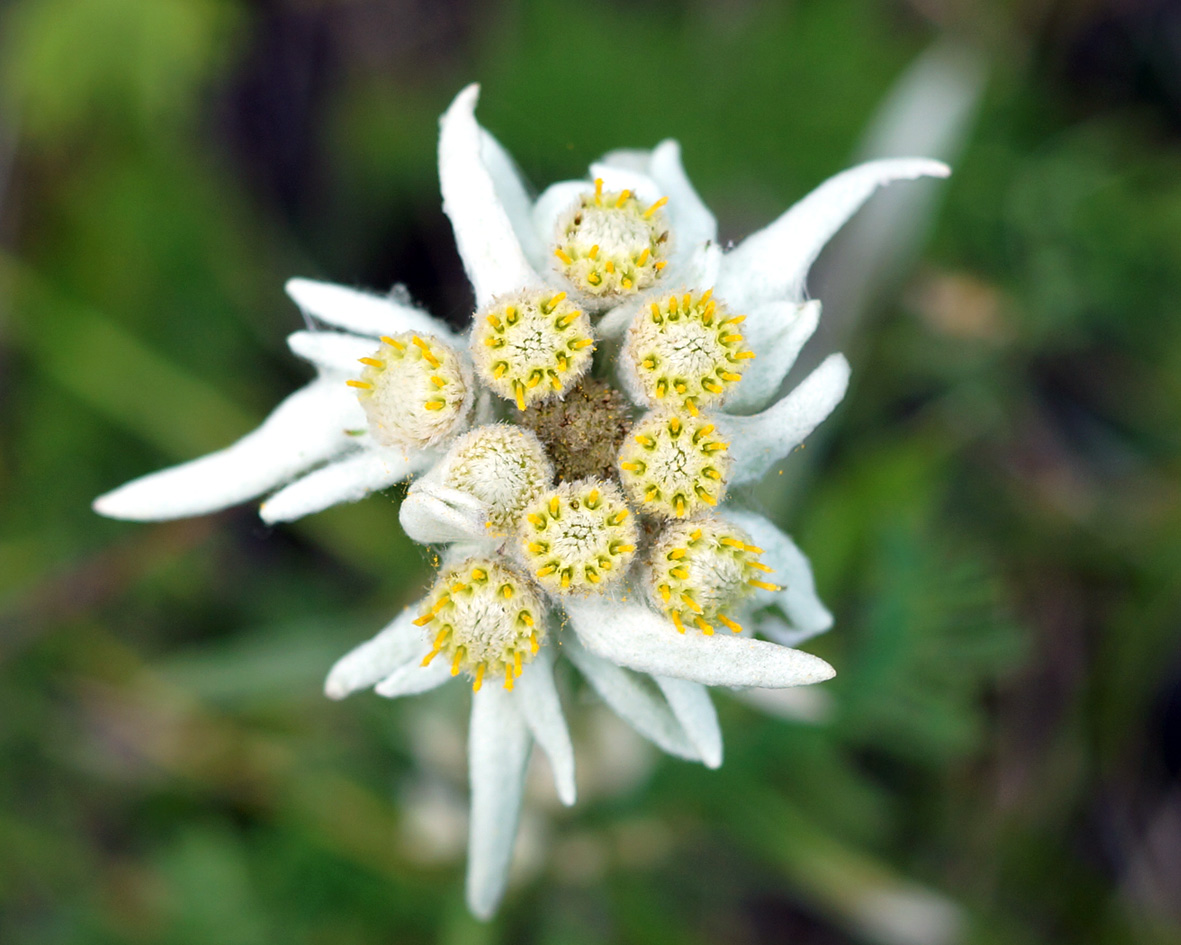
992, 514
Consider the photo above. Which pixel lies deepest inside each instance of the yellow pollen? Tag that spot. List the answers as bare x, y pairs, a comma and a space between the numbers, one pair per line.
533, 644
674, 426
519, 390
692, 405
581, 343
706, 497
554, 506
507, 591
656, 206
609, 266
677, 554
435, 404
680, 504
592, 498
754, 550
564, 256
705, 627
764, 585
598, 189
493, 321
665, 593
424, 620
758, 565
617, 517
517, 663
438, 381
566, 579
622, 549
554, 302
693, 605
372, 362
508, 678
393, 343
498, 371
730, 376
362, 385
643, 257
735, 626
631, 467
660, 265
623, 195
645, 440
676, 617
536, 520
594, 252
457, 660
625, 282
547, 570
479, 680
744, 355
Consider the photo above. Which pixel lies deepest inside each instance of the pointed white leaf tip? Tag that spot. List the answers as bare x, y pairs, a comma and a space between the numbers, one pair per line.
484, 235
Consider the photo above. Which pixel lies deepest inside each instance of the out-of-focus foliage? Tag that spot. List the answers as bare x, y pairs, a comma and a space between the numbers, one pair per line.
993, 514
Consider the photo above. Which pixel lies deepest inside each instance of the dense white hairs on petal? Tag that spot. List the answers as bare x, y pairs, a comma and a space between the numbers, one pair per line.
631, 701
694, 709
498, 749
775, 331
798, 600
332, 350
304, 430
412, 678
362, 312
758, 442
399, 642
537, 698
692, 222
632, 635
774, 262
514, 197
432, 513
554, 201
347, 480
488, 244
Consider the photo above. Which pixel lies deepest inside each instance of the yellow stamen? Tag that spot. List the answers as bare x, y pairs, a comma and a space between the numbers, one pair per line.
643, 257
479, 680
456, 660
564, 256
693, 605
598, 189
623, 195
435, 404
372, 362
393, 343
656, 206
361, 385
519, 390
508, 678
734, 626
764, 585
594, 251
705, 627
426, 351
676, 618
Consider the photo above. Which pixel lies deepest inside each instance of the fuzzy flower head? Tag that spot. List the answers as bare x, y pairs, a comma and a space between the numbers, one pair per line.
575, 451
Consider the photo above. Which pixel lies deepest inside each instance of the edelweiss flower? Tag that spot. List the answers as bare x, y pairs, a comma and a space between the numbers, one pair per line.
569, 522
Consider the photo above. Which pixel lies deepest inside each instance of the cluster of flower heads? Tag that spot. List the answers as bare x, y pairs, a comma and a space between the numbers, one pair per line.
572, 455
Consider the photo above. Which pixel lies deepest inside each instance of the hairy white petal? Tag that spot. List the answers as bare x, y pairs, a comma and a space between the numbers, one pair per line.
412, 678
498, 749
514, 197
798, 599
305, 429
537, 698
758, 442
488, 245
362, 312
773, 263
347, 480
632, 635
399, 642
631, 701
694, 709
554, 201
703, 265
332, 350
692, 222
433, 513
775, 331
